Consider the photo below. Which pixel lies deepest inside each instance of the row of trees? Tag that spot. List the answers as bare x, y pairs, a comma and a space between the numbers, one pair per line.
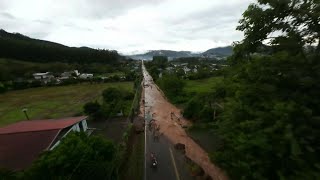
13, 69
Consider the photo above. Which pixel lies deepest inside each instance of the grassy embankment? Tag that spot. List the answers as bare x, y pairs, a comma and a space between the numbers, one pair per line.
200, 132
135, 167
51, 102
202, 85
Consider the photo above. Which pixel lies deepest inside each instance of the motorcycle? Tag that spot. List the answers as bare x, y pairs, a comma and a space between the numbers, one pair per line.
154, 161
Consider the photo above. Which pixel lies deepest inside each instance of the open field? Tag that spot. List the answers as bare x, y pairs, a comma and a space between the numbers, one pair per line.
51, 102
202, 85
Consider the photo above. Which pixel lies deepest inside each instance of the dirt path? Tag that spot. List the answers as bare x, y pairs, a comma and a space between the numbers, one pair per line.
171, 123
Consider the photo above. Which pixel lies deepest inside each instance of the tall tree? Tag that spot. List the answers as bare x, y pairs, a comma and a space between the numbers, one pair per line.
288, 24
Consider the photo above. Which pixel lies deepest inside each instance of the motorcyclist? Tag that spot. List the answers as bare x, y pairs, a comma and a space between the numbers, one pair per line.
154, 161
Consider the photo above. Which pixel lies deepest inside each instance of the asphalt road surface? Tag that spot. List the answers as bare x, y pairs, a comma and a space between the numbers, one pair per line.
171, 163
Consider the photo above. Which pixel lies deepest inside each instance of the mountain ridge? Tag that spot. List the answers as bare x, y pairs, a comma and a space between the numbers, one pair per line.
21, 47
219, 52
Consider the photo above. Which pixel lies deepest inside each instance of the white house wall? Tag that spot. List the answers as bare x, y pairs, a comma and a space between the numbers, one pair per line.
74, 128
84, 125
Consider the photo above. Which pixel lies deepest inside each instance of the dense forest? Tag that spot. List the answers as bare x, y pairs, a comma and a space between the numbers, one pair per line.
17, 46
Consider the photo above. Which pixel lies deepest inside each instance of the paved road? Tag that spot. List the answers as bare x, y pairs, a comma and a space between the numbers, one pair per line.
171, 163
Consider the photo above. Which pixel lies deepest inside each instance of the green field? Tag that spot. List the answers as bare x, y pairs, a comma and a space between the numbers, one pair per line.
202, 85
51, 102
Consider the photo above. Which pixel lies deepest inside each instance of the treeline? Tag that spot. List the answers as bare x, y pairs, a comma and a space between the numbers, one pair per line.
12, 69
16, 75
20, 47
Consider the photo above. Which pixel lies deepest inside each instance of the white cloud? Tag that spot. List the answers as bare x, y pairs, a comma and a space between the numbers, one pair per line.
127, 25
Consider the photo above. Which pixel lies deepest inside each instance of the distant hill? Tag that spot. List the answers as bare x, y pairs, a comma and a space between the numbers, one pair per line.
168, 53
220, 51
211, 53
18, 46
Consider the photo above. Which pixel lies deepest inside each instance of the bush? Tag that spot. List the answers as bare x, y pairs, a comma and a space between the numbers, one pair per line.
171, 85
78, 156
94, 110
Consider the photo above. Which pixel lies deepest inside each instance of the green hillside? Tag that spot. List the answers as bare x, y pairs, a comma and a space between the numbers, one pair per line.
18, 46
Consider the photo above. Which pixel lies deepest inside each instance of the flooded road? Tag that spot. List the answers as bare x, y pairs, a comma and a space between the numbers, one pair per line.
170, 124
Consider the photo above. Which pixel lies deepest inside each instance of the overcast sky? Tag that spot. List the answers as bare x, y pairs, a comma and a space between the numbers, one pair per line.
127, 25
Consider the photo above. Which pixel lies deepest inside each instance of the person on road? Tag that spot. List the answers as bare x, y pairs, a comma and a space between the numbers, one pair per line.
153, 159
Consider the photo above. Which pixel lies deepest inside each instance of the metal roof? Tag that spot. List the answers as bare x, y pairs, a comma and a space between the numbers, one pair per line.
22, 142
40, 125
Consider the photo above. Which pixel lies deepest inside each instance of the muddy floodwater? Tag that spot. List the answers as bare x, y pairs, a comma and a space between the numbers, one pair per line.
172, 124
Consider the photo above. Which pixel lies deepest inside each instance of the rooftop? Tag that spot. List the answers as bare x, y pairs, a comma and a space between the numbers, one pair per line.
22, 142
40, 125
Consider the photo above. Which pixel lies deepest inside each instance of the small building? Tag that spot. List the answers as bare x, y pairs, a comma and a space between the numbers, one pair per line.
66, 75
195, 70
85, 76
76, 72
69, 74
22, 142
43, 76
186, 70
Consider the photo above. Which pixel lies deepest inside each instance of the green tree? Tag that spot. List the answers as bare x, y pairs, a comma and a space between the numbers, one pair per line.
111, 94
270, 123
172, 86
288, 25
160, 61
180, 73
94, 110
78, 156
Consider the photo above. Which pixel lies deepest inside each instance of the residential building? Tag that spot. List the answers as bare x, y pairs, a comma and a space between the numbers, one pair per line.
22, 142
85, 76
44, 77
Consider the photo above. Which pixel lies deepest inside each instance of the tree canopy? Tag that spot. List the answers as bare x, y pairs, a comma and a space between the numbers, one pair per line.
286, 24
270, 123
77, 157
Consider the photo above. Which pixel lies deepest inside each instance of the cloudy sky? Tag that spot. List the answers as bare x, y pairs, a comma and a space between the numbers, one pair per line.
129, 26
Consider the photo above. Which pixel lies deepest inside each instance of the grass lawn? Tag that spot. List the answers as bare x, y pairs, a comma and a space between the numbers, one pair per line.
51, 102
202, 85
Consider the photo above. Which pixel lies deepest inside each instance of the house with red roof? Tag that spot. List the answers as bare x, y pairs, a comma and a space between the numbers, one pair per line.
22, 142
